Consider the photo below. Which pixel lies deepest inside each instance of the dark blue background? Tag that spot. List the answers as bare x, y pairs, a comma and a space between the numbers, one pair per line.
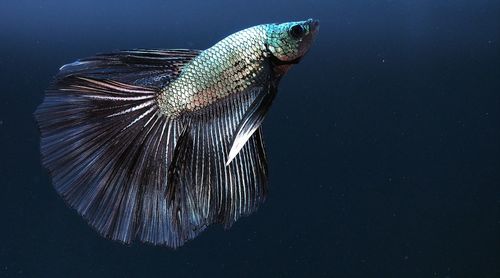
384, 143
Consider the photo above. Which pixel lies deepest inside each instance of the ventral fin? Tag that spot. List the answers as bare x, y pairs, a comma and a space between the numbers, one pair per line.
251, 121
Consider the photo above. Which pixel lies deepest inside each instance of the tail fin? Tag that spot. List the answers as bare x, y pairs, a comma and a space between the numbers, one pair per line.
108, 147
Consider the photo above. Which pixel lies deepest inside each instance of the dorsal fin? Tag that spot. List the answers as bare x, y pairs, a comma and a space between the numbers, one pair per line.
143, 67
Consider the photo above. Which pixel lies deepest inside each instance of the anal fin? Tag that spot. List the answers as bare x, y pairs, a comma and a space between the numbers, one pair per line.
202, 188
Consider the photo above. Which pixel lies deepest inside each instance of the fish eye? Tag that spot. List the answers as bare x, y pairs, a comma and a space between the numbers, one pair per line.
297, 31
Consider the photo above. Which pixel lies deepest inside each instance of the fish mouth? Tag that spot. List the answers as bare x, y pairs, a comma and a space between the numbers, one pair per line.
313, 25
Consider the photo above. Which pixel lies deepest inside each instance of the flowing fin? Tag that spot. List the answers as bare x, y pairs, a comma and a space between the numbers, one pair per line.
252, 120
142, 67
203, 189
131, 171
107, 147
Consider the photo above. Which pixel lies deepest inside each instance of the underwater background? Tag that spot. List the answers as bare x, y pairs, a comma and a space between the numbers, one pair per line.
383, 143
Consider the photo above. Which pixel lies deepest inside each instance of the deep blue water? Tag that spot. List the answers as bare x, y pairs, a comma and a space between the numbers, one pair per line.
383, 143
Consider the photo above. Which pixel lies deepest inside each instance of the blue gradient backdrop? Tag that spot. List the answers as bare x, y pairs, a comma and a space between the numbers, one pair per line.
384, 143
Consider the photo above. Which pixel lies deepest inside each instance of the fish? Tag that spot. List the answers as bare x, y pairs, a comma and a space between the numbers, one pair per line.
156, 145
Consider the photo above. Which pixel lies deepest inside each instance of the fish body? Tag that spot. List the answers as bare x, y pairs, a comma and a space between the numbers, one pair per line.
159, 144
230, 66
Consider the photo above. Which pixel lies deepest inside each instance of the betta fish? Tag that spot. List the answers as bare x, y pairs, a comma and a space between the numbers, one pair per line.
156, 145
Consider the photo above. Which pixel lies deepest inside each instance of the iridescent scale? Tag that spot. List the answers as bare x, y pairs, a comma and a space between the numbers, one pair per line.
229, 67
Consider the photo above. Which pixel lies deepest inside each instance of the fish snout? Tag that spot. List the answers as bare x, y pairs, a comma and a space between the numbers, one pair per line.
313, 25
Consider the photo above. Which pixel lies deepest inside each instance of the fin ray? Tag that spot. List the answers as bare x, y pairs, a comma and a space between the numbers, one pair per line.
203, 189
154, 68
253, 118
108, 157
133, 172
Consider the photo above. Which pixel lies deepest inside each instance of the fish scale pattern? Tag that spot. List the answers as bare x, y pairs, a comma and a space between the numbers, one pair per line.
231, 66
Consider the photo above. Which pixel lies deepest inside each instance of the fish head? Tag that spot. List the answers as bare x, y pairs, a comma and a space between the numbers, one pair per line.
290, 41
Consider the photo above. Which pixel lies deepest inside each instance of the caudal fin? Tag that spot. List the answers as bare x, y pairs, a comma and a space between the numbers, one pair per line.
107, 148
